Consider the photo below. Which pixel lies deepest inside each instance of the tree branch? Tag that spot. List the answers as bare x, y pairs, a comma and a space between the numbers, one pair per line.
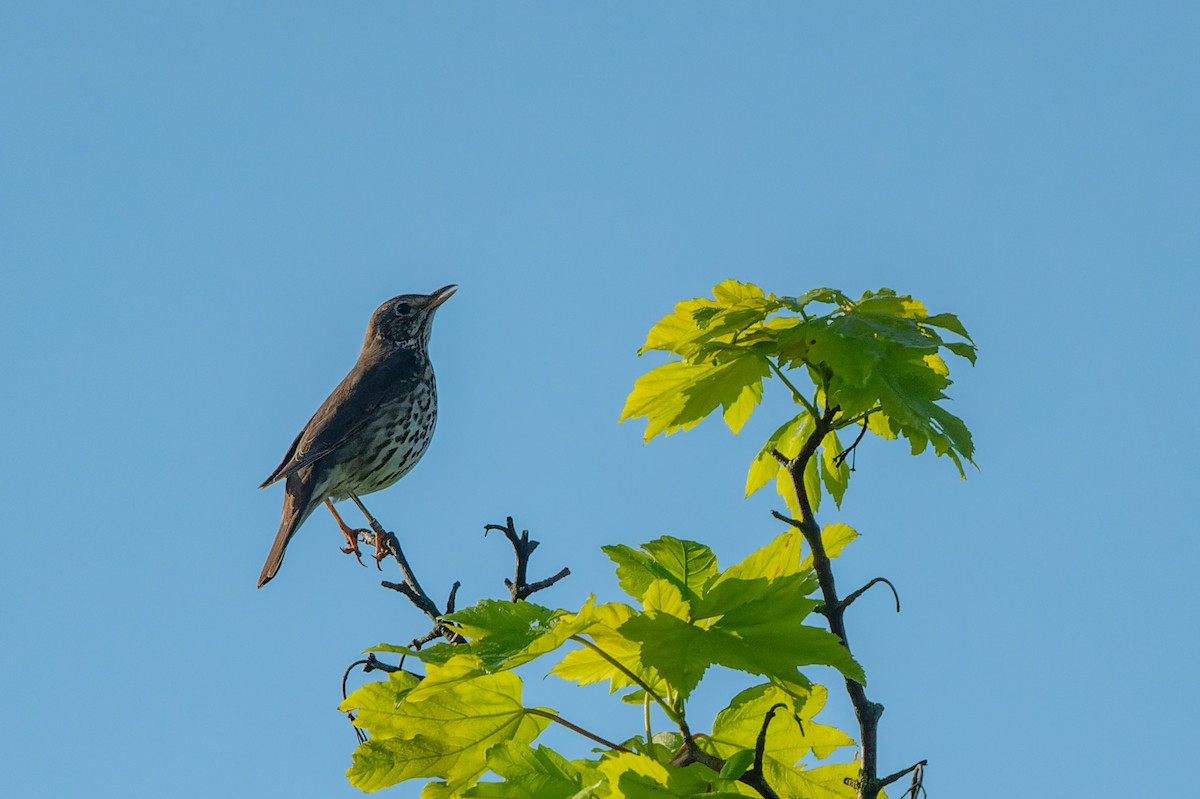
519, 588
867, 712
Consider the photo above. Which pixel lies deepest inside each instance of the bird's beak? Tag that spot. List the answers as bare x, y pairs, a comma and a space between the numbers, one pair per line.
441, 295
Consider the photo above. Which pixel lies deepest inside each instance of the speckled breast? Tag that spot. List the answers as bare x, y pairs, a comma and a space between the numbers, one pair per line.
391, 445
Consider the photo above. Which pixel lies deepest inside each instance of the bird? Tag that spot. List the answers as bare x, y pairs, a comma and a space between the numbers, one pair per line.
371, 430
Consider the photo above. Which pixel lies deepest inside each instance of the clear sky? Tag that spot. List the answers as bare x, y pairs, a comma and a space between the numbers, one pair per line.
202, 203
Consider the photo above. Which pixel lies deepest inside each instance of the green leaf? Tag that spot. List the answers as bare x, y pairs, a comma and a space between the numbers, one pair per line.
779, 558
948, 321
765, 466
528, 773
832, 781
664, 597
587, 666
687, 564
827, 296
677, 650
446, 732
679, 394
836, 476
834, 537
737, 764
632, 776
389, 692
791, 735
962, 350
691, 564
505, 635
812, 483
758, 631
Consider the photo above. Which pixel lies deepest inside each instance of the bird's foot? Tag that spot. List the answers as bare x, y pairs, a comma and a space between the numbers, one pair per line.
382, 550
352, 544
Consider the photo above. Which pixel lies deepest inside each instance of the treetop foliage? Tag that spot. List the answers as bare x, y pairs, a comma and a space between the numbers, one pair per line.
875, 361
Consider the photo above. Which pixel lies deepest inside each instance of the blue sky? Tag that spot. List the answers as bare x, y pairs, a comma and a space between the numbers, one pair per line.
201, 204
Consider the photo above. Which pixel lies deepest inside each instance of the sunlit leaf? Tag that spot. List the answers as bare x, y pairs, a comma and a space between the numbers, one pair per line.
539, 773
766, 466
678, 395
444, 734
834, 474
792, 733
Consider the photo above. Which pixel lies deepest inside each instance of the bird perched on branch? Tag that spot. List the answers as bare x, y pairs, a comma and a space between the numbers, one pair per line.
371, 430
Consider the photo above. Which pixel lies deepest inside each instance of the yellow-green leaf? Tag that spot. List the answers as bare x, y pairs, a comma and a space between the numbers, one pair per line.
679, 394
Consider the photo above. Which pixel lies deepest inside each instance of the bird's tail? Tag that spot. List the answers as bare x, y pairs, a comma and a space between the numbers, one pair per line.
297, 505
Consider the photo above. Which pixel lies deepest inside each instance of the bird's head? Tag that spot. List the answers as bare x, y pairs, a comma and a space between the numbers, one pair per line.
405, 321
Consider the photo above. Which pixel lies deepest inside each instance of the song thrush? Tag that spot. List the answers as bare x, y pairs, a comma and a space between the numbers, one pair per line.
372, 429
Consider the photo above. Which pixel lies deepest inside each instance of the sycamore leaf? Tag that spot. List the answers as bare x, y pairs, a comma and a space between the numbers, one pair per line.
962, 350
679, 394
834, 537
528, 773
737, 764
831, 781
586, 666
736, 308
687, 564
679, 651
758, 631
792, 734
948, 321
444, 734
779, 558
692, 564
812, 483
828, 296
835, 475
504, 635
765, 466
632, 776
664, 597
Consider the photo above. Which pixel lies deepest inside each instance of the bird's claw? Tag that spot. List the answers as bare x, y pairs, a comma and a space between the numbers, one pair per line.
352, 545
381, 550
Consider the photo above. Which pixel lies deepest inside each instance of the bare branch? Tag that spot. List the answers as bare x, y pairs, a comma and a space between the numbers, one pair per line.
520, 588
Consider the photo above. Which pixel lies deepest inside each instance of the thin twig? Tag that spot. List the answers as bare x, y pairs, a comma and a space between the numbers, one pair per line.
796, 395
575, 727
840, 458
846, 602
889, 779
619, 666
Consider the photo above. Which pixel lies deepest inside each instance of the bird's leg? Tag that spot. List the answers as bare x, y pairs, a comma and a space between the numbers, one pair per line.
350, 533
381, 548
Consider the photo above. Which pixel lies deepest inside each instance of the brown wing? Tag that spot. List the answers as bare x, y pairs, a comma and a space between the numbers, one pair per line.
376, 379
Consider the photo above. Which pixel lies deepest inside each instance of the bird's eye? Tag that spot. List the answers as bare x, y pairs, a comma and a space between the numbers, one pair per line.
403, 308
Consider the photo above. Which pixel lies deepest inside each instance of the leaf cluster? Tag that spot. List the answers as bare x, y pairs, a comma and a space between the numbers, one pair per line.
466, 718
875, 361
